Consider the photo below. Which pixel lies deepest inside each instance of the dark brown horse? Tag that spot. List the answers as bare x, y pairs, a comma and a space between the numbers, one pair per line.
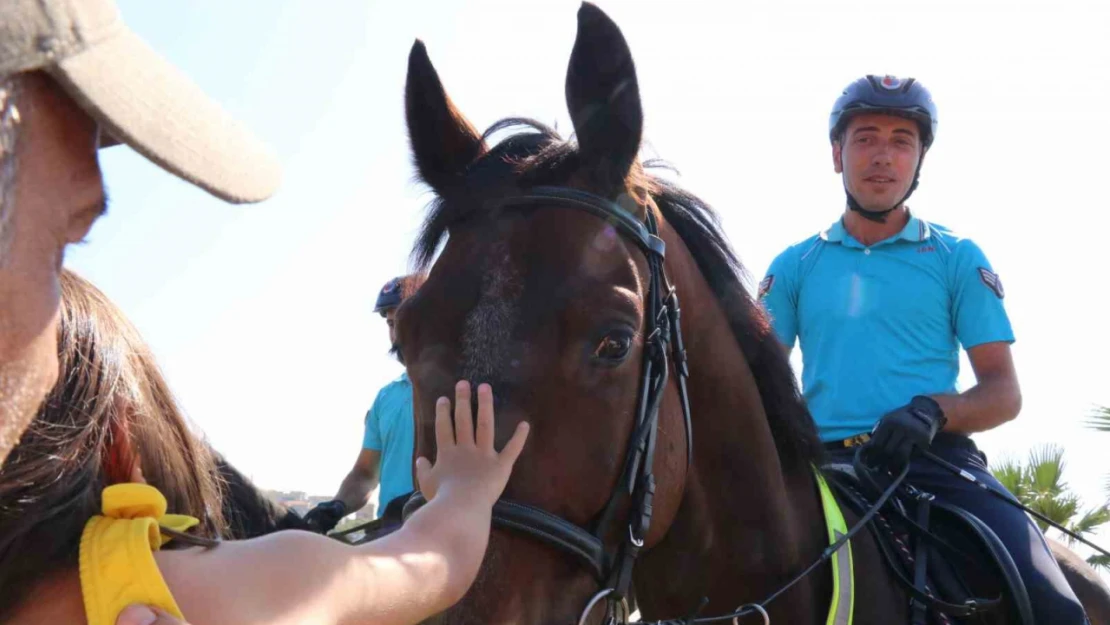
248, 511
549, 304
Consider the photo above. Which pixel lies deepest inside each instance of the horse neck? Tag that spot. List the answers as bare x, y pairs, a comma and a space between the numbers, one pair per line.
746, 523
247, 510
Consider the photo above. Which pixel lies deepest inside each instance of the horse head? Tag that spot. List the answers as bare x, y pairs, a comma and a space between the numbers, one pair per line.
554, 285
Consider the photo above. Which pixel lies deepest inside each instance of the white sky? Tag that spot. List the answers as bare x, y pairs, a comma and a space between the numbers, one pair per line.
261, 316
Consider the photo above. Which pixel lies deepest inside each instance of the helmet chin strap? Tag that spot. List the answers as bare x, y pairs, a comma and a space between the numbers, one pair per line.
881, 215
875, 216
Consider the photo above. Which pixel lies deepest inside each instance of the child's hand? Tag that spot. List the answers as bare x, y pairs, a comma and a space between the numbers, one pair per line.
466, 460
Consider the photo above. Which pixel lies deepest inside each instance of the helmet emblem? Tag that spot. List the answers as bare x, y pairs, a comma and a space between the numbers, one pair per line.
890, 82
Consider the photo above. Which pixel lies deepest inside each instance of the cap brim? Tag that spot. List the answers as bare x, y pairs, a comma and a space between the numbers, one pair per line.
140, 99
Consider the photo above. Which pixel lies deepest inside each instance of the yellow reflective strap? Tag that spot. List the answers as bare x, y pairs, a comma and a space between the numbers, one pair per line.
842, 606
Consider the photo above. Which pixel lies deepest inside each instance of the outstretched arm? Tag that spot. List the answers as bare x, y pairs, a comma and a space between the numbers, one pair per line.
416, 572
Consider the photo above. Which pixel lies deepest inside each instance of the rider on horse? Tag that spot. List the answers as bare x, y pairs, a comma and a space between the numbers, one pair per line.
385, 459
880, 302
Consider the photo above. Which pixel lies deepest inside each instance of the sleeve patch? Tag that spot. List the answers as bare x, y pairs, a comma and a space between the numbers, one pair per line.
993, 282
765, 286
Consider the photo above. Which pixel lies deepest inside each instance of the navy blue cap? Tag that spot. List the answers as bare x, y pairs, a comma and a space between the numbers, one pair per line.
390, 296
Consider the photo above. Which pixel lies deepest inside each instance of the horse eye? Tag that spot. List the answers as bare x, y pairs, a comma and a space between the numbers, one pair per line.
614, 347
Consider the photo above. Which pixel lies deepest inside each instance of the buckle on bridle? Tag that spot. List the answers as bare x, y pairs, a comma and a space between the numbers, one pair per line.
636, 542
626, 613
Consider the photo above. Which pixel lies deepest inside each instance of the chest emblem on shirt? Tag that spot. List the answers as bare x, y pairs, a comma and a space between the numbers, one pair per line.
765, 286
992, 281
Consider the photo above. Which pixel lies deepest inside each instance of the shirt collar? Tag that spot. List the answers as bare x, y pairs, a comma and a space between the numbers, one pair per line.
916, 231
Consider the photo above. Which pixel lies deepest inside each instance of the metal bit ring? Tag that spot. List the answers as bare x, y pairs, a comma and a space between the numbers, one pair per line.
757, 608
626, 613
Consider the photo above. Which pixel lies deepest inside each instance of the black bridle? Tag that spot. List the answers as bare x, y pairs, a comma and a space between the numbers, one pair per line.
613, 567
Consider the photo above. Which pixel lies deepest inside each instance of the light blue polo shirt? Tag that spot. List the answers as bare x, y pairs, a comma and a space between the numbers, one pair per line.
880, 324
389, 429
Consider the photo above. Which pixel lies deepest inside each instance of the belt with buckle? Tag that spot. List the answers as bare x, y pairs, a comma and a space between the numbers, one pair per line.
848, 443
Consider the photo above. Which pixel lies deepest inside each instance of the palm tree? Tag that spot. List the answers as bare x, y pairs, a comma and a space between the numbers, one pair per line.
1100, 420
1039, 484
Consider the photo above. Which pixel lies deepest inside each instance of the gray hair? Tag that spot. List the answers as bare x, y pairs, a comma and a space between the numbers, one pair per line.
9, 138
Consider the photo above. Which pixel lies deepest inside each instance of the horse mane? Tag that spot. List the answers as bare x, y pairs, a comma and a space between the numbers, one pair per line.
536, 155
248, 511
698, 226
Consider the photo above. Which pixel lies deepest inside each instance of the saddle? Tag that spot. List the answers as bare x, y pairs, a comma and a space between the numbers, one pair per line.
946, 557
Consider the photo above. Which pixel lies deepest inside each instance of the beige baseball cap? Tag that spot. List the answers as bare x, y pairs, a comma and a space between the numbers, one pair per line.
136, 96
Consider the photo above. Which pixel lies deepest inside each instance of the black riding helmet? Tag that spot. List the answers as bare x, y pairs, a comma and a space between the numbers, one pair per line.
889, 95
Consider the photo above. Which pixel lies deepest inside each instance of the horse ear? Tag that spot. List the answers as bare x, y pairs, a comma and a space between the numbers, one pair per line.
443, 142
603, 97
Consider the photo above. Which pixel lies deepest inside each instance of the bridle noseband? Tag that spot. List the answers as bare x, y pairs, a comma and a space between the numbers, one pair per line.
613, 568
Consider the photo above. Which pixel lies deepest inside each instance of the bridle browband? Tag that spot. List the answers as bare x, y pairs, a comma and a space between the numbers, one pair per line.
613, 568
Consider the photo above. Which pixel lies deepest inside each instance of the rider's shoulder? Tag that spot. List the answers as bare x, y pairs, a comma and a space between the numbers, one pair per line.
400, 384
953, 242
396, 387
799, 249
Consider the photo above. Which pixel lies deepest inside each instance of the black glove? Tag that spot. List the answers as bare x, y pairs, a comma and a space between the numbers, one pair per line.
324, 517
899, 433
